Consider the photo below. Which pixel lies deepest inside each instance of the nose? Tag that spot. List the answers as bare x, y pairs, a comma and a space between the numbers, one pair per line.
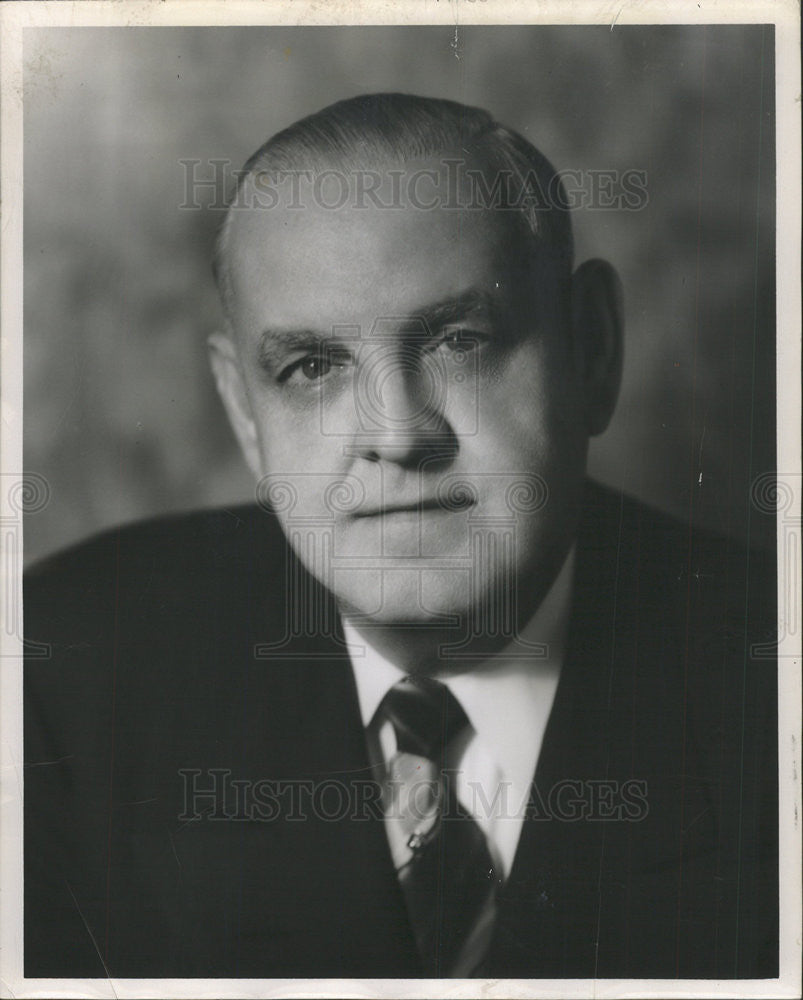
401, 395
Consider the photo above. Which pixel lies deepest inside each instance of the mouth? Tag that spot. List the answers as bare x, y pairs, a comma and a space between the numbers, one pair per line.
418, 507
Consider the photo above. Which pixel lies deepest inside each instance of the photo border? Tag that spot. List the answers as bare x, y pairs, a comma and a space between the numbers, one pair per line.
15, 18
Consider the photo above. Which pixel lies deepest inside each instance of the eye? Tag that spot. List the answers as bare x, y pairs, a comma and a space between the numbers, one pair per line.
316, 366
462, 339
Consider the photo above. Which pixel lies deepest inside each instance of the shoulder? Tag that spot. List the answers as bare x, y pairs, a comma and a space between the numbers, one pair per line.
140, 649
165, 563
676, 557
201, 537
695, 608
692, 616
135, 615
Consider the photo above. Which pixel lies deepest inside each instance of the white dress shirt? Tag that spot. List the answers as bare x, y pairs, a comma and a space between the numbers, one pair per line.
507, 700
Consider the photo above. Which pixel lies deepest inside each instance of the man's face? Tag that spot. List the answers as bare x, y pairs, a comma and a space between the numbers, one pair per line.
408, 395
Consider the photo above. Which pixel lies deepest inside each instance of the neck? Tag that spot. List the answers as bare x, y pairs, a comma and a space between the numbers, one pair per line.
421, 649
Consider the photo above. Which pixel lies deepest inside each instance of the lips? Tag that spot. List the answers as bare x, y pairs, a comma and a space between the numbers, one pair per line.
416, 507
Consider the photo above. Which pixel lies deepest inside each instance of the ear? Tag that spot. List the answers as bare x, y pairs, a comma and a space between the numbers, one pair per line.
597, 317
225, 363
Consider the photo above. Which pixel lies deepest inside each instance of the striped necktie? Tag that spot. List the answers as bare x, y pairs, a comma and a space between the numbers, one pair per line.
440, 852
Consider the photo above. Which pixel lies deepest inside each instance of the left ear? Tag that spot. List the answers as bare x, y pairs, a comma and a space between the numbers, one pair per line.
597, 316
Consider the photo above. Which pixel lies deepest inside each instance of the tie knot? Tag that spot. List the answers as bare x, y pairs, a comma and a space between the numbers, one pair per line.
425, 715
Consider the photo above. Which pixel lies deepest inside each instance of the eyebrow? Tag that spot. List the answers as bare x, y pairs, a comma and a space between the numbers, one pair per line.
453, 310
276, 342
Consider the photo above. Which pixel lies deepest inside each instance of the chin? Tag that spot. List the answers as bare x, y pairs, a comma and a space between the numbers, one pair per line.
405, 596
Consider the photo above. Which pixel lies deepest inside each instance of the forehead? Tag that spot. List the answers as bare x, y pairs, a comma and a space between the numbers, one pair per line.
302, 262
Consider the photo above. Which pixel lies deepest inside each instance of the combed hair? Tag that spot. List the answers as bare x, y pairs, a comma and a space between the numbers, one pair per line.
361, 132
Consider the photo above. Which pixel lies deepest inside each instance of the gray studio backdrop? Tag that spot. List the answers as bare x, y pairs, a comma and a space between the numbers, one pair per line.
121, 416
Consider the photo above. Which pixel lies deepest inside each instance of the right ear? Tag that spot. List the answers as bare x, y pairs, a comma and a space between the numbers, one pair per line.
225, 363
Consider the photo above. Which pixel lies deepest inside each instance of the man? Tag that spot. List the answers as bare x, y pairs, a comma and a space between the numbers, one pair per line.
437, 706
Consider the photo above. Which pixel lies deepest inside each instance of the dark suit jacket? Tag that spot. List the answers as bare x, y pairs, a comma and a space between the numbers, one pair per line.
150, 677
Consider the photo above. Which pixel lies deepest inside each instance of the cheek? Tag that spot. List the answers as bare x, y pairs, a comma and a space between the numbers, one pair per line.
531, 433
526, 407
290, 440
304, 472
